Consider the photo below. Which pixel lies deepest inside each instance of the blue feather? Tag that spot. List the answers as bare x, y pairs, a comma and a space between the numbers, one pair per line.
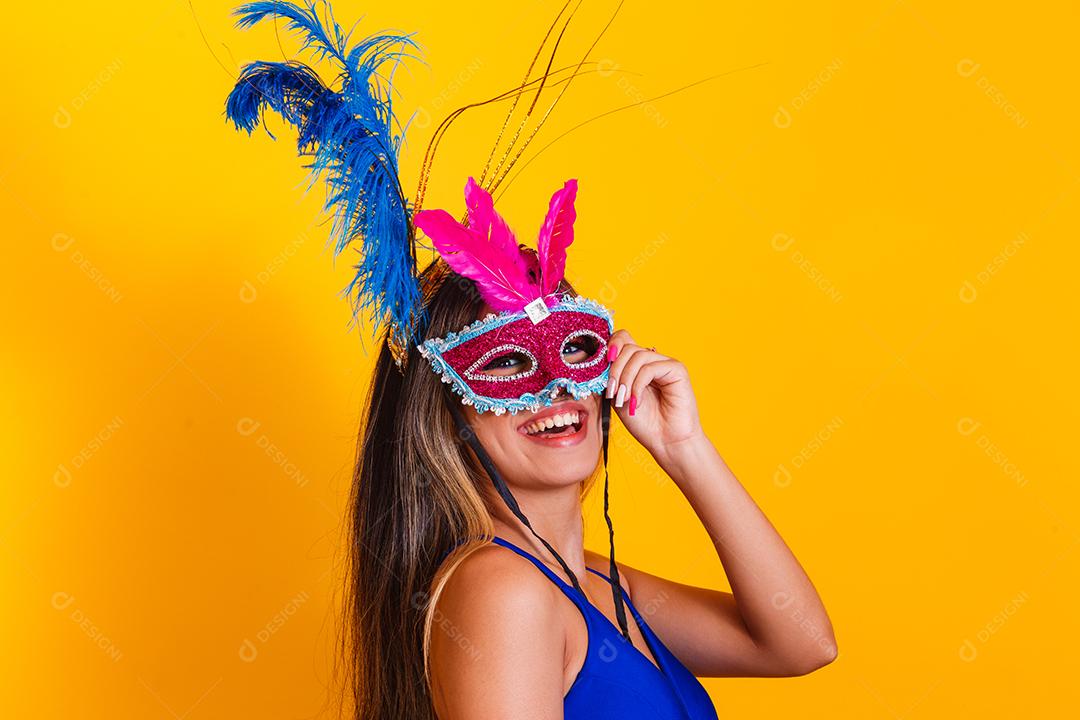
305, 21
349, 135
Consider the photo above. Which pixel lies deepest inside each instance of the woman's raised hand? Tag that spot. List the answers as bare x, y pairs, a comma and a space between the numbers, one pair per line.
652, 396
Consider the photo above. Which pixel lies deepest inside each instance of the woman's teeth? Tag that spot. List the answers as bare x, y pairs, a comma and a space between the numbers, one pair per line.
553, 421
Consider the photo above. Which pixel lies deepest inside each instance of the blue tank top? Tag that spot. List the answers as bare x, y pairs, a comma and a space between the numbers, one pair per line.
617, 681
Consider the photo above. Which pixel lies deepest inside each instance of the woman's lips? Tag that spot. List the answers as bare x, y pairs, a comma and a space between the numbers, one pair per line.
564, 439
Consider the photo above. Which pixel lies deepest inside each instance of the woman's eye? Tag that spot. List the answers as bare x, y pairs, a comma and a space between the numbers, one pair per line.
508, 364
579, 349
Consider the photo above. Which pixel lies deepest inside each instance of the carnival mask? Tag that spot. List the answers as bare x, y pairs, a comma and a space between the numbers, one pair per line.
540, 340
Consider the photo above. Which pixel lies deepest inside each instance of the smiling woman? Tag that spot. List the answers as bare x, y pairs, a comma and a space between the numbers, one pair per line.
490, 404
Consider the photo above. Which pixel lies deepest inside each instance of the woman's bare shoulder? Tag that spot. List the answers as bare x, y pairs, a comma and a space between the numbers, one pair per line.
490, 576
495, 616
492, 593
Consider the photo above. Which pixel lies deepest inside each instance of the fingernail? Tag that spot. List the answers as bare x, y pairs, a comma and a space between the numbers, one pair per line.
621, 396
633, 404
612, 352
609, 391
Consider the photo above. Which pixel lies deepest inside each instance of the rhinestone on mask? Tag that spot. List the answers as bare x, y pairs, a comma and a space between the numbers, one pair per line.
472, 374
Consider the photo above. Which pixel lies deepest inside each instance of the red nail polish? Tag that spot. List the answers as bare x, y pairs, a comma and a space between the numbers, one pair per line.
612, 353
633, 404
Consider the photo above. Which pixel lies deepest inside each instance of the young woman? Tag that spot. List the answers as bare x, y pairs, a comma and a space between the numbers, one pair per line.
470, 592
506, 632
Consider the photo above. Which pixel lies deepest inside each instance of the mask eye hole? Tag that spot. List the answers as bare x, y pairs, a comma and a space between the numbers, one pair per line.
583, 348
509, 362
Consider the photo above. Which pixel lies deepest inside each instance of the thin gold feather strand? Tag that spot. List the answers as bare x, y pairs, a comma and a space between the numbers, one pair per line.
495, 185
429, 155
524, 83
618, 109
536, 98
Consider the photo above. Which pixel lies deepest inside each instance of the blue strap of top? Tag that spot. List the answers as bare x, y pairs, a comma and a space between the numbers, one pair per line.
563, 585
548, 571
682, 686
566, 587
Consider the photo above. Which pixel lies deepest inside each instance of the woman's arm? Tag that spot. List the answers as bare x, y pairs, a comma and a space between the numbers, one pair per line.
773, 622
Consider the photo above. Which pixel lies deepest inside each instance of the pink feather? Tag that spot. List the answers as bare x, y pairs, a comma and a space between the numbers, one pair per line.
556, 234
485, 222
485, 252
480, 207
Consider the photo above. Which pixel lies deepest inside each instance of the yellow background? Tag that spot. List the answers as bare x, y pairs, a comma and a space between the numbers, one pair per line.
863, 248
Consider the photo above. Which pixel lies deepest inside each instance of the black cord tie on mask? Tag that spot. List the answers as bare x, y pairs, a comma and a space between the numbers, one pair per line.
466, 432
616, 585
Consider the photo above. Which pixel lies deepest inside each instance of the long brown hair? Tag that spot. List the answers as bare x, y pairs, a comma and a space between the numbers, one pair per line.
415, 494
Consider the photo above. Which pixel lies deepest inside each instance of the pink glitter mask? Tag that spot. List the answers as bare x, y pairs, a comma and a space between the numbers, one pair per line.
506, 362
541, 340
